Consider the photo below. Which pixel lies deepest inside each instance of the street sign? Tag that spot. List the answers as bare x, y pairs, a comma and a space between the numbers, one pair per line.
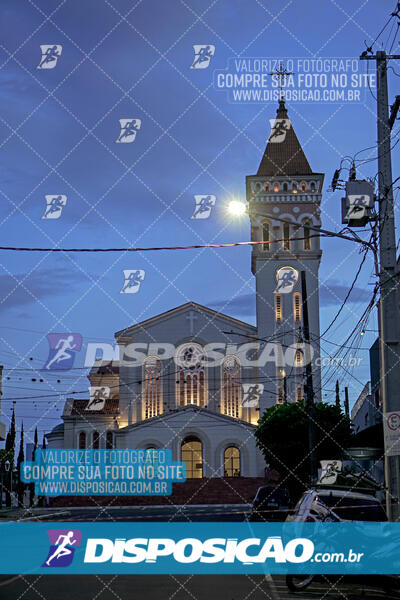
391, 430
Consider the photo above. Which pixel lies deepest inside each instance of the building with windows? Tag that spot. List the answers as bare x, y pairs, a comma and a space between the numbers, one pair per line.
2, 425
195, 380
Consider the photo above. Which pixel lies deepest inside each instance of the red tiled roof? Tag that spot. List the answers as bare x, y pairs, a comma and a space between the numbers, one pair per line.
286, 157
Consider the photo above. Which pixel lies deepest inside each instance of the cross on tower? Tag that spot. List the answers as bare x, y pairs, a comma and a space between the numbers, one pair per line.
191, 317
282, 72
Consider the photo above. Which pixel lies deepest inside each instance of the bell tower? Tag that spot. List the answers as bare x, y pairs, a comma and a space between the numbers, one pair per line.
284, 202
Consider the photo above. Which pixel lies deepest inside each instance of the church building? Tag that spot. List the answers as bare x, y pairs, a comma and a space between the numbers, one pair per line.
199, 387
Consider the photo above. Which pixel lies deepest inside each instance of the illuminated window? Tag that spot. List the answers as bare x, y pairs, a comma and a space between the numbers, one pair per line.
276, 187
298, 358
109, 440
278, 308
232, 462
151, 395
82, 440
191, 380
266, 236
231, 387
307, 234
299, 393
297, 306
294, 188
192, 455
267, 187
286, 236
280, 395
303, 186
96, 440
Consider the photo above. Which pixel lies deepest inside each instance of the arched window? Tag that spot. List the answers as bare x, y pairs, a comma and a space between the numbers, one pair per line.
82, 440
151, 395
276, 187
192, 455
294, 188
109, 440
266, 233
279, 399
286, 236
96, 440
278, 308
298, 358
232, 462
267, 187
306, 234
231, 387
299, 393
191, 380
285, 187
312, 186
303, 186
297, 306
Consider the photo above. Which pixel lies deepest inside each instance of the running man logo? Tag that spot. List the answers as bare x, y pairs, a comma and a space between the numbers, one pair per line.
54, 205
50, 55
286, 280
279, 129
132, 281
202, 56
203, 206
251, 394
129, 128
98, 397
63, 347
63, 543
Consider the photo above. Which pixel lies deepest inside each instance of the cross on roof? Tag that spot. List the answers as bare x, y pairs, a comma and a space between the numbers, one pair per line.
282, 72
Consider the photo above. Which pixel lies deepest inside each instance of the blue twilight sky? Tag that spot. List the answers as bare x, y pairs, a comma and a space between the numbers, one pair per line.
131, 59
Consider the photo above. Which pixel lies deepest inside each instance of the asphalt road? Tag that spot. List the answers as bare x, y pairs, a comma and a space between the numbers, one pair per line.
220, 512
176, 587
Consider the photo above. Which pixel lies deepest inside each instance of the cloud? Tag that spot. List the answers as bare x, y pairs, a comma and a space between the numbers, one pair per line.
22, 289
333, 292
244, 305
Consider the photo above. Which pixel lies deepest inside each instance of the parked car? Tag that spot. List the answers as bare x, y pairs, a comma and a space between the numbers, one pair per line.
323, 504
334, 504
270, 504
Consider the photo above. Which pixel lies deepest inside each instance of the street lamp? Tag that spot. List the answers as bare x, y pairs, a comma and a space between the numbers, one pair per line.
237, 208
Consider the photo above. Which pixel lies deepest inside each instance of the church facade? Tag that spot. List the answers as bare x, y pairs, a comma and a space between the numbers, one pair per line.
192, 379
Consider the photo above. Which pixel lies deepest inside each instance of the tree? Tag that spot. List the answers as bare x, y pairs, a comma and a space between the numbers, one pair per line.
32, 485
282, 436
10, 447
20, 460
337, 394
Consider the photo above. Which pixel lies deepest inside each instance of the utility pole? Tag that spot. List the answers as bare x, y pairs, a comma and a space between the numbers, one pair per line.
309, 389
389, 313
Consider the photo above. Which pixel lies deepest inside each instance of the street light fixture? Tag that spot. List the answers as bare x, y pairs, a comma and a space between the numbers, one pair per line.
237, 208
